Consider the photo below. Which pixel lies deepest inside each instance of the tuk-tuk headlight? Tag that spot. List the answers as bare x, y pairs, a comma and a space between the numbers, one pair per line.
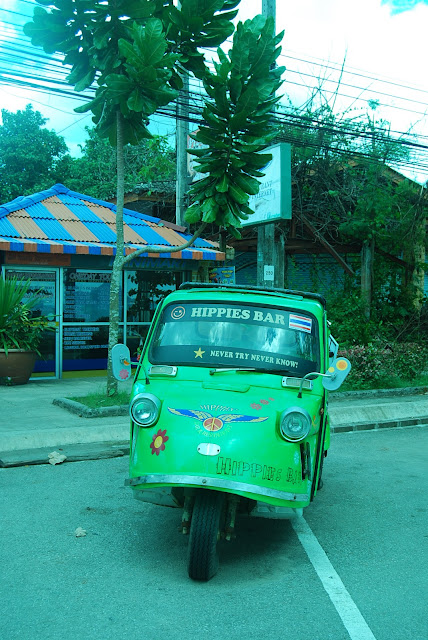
145, 409
295, 424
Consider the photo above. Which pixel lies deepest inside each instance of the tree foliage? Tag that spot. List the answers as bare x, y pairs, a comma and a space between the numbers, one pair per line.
32, 157
237, 126
344, 183
135, 52
342, 178
95, 172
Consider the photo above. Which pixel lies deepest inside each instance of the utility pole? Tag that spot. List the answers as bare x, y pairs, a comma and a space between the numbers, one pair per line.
270, 254
182, 133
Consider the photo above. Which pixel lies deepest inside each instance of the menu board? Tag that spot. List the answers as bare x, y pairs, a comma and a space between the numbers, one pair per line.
84, 338
86, 296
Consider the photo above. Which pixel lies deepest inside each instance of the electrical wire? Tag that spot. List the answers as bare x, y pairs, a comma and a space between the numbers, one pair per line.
25, 57
20, 54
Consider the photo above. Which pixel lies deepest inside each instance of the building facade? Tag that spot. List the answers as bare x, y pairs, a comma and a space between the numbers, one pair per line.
64, 242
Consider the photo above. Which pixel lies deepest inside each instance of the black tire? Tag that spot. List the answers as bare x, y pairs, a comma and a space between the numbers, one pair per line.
202, 563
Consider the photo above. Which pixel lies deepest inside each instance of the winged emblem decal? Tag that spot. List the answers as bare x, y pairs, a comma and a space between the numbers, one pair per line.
214, 423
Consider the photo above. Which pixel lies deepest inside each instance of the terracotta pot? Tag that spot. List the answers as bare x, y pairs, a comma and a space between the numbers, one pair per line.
17, 366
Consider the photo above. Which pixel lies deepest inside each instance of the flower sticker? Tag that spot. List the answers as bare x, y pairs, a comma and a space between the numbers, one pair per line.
158, 441
124, 374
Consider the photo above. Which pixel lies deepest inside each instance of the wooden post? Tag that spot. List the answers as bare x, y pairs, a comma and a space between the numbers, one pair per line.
279, 261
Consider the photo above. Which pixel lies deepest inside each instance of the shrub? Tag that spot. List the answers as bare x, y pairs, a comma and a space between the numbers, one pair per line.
19, 328
377, 362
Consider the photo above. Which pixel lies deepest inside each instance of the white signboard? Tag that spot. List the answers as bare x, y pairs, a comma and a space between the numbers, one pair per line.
269, 272
273, 201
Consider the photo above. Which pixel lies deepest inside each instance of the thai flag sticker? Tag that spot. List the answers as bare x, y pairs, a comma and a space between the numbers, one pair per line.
300, 323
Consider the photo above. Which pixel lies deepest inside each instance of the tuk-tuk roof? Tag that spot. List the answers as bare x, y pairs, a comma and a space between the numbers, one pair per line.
281, 293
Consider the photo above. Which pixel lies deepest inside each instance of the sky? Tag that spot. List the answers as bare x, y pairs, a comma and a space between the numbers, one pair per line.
381, 44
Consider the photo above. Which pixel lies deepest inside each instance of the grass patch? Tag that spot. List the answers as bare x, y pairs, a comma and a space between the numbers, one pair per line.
98, 399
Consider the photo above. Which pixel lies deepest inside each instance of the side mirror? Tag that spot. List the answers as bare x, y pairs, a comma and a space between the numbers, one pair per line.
121, 362
336, 374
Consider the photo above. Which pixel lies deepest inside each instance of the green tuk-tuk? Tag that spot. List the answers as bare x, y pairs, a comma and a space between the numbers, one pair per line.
229, 408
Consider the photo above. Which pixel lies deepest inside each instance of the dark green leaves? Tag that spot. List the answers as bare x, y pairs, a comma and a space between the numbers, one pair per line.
237, 126
135, 50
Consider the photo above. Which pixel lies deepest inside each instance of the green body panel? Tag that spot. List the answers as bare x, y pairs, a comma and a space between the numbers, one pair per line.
237, 411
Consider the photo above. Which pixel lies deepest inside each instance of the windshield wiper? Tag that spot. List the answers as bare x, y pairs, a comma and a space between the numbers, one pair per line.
213, 371
252, 369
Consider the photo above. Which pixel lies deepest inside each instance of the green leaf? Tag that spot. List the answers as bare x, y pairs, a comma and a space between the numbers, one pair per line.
234, 232
86, 81
117, 84
150, 42
223, 185
135, 101
204, 135
193, 214
256, 160
247, 184
238, 194
212, 120
128, 51
235, 88
248, 101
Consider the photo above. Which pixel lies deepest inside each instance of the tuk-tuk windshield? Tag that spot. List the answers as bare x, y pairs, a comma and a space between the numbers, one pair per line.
230, 335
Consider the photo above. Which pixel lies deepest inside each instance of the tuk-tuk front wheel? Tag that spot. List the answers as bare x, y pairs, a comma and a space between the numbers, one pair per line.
204, 534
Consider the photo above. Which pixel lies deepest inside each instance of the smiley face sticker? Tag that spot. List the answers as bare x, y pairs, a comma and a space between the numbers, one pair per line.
178, 313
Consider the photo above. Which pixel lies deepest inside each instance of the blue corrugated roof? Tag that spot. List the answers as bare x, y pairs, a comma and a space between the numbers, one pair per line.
6, 228
50, 222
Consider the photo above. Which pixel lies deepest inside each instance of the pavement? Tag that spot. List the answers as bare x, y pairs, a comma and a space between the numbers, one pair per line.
32, 427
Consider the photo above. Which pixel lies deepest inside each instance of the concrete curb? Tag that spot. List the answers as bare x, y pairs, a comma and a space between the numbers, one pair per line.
72, 453
386, 424
85, 412
382, 393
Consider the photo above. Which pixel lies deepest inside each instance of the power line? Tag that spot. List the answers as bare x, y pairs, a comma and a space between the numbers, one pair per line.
325, 66
351, 71
22, 57
281, 118
30, 57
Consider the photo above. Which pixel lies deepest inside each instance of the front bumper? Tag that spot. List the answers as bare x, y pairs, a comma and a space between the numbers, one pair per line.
231, 486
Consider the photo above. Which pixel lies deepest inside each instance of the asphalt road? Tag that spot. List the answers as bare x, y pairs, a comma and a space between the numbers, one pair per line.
127, 577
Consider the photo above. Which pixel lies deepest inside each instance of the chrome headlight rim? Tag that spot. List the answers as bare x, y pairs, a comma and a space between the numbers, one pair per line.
304, 415
153, 409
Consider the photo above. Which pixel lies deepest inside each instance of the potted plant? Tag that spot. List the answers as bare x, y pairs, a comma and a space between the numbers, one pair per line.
20, 331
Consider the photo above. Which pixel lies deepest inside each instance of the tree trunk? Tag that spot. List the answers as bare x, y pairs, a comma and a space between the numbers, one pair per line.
367, 253
416, 256
417, 281
116, 275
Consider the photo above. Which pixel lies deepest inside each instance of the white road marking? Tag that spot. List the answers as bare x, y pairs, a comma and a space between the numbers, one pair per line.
348, 611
